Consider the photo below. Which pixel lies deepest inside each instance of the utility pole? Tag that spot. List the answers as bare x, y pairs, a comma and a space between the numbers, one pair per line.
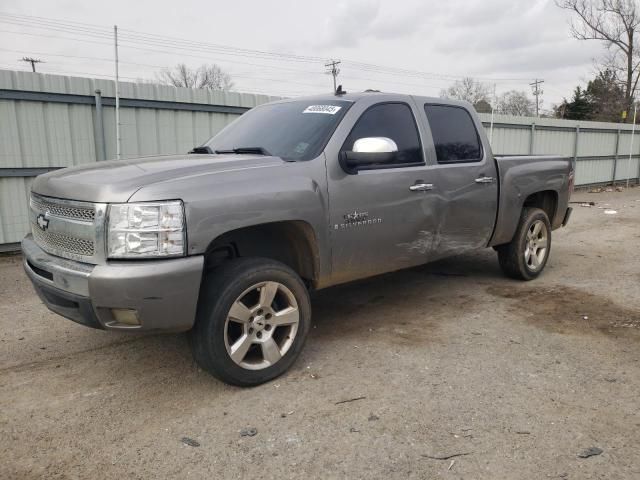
32, 61
332, 66
115, 40
537, 92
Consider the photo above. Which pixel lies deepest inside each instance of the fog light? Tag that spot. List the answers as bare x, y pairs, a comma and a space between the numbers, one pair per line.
125, 316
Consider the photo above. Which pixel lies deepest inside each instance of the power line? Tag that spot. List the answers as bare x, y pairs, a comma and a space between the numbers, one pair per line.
151, 39
165, 45
105, 32
140, 38
261, 65
127, 44
138, 79
234, 74
34, 17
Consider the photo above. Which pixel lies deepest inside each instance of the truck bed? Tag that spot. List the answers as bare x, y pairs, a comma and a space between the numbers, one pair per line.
524, 175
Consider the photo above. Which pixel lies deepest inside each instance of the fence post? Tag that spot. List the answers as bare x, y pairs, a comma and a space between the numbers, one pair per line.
575, 145
101, 144
532, 139
615, 158
638, 177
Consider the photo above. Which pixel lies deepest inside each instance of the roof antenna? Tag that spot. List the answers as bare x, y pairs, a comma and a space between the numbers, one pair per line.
340, 91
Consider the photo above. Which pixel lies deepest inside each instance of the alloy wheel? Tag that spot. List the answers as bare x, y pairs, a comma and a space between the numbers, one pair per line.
261, 325
536, 246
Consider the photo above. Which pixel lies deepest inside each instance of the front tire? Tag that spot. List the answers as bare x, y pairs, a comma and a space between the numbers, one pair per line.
526, 255
253, 318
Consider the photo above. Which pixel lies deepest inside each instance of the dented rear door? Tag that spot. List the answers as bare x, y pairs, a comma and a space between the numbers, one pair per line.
465, 179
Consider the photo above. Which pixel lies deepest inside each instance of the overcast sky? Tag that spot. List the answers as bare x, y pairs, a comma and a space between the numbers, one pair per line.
506, 42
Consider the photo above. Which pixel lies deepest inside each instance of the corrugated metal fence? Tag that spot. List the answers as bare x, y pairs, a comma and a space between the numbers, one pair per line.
601, 149
51, 121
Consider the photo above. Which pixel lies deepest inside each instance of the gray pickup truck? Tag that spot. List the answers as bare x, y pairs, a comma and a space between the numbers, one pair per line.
227, 241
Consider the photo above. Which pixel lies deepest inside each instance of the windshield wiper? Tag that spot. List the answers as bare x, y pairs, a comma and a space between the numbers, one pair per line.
240, 150
202, 150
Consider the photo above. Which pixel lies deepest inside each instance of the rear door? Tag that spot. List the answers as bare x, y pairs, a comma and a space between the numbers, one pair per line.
464, 179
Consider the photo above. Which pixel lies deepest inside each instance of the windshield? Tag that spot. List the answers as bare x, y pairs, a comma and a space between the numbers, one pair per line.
293, 131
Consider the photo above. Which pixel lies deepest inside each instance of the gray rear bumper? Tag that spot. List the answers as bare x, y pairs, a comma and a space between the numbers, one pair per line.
163, 292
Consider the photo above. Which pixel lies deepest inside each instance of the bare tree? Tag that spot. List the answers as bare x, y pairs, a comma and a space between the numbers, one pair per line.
208, 77
616, 23
469, 90
515, 103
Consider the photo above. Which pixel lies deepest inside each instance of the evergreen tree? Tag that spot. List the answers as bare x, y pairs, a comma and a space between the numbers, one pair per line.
606, 97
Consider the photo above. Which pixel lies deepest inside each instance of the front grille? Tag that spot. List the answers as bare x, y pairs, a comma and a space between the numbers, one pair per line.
83, 214
54, 242
69, 228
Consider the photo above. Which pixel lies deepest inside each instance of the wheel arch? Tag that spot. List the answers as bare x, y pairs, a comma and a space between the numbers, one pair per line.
292, 242
509, 214
546, 200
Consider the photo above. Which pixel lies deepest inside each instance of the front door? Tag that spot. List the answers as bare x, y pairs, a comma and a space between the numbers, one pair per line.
382, 219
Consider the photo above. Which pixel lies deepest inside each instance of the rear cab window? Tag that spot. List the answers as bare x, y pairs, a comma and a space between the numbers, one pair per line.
454, 134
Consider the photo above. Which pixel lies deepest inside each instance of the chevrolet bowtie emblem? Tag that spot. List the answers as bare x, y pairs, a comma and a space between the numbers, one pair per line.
43, 223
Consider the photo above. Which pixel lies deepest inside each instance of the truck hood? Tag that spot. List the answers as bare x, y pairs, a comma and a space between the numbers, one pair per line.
117, 180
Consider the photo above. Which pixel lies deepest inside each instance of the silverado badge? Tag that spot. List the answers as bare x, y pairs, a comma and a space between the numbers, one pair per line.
356, 219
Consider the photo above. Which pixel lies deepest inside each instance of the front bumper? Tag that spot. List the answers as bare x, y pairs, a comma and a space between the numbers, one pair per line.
164, 293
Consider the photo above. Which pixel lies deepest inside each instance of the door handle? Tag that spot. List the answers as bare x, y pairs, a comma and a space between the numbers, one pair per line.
484, 180
421, 187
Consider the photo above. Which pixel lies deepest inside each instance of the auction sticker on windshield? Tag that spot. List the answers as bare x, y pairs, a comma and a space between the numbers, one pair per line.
329, 109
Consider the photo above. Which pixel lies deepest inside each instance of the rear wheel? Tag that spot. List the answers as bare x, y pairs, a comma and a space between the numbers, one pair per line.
526, 255
252, 321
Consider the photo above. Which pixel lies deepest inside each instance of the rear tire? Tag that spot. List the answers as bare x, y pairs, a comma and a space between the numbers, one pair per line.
253, 318
525, 257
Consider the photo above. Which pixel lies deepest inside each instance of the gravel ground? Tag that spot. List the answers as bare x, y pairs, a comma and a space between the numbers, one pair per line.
510, 380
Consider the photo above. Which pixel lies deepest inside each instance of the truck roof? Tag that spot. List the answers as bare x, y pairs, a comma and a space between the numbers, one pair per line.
388, 96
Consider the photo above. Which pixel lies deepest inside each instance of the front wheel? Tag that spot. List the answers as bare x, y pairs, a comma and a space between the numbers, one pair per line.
526, 255
253, 318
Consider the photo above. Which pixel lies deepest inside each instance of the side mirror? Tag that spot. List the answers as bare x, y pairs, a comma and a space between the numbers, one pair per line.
369, 151
375, 145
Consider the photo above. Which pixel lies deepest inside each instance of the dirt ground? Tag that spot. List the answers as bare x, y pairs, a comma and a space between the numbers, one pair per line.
510, 380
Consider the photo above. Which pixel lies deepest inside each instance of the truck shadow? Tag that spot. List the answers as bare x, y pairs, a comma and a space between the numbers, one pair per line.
403, 307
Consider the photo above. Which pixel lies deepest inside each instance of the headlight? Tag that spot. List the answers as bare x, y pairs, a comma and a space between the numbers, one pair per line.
138, 230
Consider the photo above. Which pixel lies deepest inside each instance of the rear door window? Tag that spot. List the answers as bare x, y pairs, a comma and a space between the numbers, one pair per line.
454, 134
